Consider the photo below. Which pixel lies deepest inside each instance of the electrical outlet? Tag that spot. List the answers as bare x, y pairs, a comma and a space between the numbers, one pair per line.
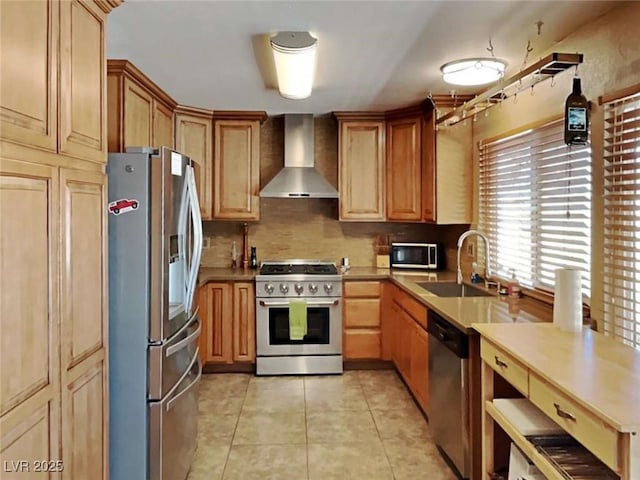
470, 249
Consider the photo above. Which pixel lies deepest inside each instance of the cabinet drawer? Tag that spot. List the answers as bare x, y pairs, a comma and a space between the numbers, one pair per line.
361, 344
361, 312
413, 307
361, 289
503, 363
585, 427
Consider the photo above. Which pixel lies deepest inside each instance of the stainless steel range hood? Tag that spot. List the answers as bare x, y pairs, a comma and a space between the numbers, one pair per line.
298, 178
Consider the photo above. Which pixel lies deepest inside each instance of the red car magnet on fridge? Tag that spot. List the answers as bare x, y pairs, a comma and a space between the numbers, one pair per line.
122, 206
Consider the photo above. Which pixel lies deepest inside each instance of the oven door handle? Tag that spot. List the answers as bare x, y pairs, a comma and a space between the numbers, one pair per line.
311, 304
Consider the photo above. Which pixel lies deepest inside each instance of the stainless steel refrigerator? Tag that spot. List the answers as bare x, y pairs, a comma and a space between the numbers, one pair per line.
155, 244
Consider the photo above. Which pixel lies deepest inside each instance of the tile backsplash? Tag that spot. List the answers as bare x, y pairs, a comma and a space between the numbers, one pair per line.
309, 228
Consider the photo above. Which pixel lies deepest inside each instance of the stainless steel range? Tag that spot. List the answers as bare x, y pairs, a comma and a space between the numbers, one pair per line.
318, 286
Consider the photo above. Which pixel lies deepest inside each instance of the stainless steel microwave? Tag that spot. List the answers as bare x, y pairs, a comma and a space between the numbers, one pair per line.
423, 256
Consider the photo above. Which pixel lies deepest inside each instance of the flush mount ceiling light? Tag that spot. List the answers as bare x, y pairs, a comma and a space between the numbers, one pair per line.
473, 71
294, 54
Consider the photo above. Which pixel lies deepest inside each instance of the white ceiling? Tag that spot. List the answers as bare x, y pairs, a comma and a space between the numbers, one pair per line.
372, 55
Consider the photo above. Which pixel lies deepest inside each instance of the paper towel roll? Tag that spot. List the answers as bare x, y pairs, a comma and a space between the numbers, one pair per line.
567, 304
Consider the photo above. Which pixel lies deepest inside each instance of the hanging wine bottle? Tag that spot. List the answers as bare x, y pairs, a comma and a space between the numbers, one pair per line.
576, 116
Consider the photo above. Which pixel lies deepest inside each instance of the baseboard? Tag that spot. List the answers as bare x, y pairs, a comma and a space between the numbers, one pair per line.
368, 365
229, 368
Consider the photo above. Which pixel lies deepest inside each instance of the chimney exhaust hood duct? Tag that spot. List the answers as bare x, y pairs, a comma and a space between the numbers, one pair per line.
298, 178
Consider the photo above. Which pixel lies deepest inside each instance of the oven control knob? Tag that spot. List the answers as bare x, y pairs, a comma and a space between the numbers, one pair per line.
268, 288
299, 288
328, 287
284, 288
313, 288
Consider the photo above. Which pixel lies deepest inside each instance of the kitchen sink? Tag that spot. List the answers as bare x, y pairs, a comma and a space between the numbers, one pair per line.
452, 289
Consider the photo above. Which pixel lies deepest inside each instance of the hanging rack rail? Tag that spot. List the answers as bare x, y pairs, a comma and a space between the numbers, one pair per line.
537, 72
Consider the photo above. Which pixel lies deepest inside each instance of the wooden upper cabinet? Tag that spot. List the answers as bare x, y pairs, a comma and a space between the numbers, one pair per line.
28, 74
82, 101
162, 131
139, 113
429, 169
361, 167
194, 137
404, 170
447, 172
236, 165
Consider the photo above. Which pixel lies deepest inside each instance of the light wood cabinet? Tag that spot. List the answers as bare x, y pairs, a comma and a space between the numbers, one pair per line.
28, 74
216, 339
194, 138
597, 408
30, 378
447, 172
361, 166
410, 342
227, 312
244, 322
82, 96
236, 165
53, 381
140, 113
404, 169
361, 320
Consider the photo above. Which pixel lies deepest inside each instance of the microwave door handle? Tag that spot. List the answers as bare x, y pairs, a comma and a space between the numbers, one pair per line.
197, 236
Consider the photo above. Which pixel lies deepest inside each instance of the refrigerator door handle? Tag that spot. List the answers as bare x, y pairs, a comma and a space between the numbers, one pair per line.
174, 399
197, 236
185, 341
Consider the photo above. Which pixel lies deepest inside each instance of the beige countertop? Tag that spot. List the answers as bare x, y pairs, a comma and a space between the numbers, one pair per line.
463, 312
594, 370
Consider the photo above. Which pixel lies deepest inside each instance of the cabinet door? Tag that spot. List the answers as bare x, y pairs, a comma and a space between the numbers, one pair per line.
29, 377
193, 138
361, 170
244, 322
429, 169
84, 327
138, 115
420, 365
236, 165
83, 276
386, 322
404, 169
82, 81
28, 72
216, 314
85, 414
162, 126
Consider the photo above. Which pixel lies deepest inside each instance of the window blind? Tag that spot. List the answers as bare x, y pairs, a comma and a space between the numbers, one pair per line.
621, 283
535, 205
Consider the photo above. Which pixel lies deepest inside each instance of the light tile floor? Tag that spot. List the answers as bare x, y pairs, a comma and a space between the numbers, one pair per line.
362, 425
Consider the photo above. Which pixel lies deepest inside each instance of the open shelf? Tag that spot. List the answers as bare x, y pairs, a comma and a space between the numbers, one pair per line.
545, 462
535, 73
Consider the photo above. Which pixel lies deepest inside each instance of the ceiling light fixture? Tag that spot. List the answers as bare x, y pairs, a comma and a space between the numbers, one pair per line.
294, 54
473, 71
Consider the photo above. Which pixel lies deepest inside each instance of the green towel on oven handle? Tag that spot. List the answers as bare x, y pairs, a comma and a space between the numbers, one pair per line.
297, 319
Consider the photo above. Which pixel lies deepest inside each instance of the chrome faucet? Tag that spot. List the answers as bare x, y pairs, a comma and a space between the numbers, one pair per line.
487, 271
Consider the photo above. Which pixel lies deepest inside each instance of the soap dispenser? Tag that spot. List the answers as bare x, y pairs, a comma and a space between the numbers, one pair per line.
253, 260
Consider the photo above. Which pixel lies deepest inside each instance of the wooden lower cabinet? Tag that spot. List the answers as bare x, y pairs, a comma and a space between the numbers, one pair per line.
410, 342
85, 410
362, 336
227, 313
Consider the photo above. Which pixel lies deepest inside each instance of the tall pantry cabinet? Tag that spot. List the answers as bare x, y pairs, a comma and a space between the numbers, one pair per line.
53, 302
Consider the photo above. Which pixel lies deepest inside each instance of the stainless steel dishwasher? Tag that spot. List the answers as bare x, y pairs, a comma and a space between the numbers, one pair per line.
449, 393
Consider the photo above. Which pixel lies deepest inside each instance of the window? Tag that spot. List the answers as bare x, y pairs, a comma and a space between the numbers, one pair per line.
535, 205
621, 282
